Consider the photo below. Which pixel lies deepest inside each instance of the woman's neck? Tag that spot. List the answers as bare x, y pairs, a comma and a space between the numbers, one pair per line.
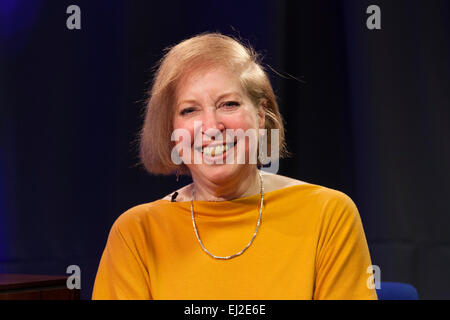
233, 188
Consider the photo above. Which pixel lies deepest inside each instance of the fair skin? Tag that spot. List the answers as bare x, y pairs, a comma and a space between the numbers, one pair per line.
214, 97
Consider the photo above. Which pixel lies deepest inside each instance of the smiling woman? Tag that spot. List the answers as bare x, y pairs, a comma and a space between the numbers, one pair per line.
236, 232
177, 94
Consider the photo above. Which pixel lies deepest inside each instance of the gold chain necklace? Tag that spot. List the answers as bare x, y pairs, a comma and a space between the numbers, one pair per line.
254, 234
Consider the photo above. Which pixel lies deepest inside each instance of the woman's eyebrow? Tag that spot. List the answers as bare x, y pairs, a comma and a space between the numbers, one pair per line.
190, 101
226, 94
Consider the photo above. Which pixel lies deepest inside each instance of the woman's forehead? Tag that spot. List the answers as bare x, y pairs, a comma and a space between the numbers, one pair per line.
216, 81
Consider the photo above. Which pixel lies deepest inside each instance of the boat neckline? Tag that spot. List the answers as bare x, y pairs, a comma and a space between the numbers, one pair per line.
243, 198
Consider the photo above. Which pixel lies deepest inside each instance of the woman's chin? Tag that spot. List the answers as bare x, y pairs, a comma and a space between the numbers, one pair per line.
217, 172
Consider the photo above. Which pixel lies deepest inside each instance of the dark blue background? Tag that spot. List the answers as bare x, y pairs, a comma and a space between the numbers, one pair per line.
369, 115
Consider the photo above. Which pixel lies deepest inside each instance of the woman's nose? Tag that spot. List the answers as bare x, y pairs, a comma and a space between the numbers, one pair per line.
212, 122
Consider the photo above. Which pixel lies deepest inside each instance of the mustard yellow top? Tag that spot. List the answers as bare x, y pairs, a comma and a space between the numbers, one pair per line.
310, 245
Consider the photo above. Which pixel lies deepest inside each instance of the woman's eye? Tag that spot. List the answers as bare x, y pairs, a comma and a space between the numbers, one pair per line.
187, 111
230, 104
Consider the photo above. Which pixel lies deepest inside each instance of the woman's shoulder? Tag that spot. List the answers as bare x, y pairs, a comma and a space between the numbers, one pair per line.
141, 214
274, 182
321, 194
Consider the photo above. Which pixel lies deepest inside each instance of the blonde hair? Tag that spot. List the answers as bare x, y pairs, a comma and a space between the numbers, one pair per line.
201, 51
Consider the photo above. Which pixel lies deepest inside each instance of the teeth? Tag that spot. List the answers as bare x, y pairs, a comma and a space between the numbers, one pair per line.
215, 151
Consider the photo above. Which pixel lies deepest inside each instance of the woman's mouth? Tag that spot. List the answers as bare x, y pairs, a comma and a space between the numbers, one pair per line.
216, 150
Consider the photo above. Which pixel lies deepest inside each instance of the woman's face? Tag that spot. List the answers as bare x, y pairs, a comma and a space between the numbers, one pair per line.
211, 106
